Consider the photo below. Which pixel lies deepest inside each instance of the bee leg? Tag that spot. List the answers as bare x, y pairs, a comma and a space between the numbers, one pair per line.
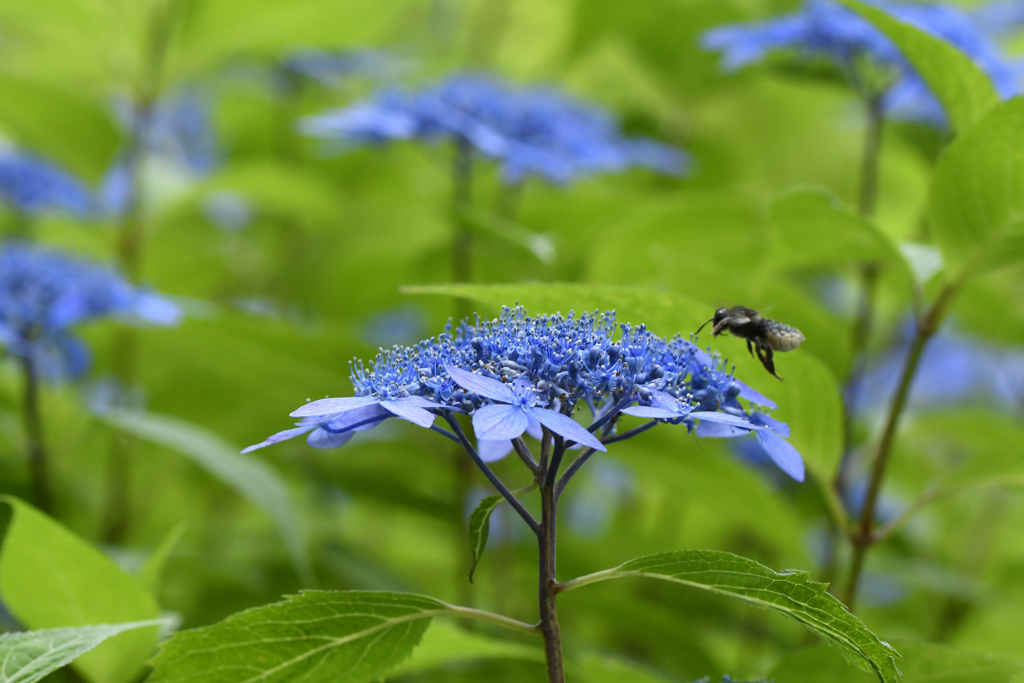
717, 329
767, 360
750, 349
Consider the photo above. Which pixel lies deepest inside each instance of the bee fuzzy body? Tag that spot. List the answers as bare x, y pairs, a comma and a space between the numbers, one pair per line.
763, 335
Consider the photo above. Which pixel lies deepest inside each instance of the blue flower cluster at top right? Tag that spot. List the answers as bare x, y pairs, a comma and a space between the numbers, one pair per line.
826, 28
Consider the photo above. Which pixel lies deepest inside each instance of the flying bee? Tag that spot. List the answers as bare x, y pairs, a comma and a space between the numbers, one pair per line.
762, 334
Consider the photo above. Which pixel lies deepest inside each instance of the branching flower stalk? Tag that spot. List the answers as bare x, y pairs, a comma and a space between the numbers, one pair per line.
518, 375
863, 535
131, 235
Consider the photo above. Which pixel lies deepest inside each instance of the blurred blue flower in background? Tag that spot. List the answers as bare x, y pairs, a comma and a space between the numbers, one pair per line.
825, 28
999, 17
33, 186
177, 133
529, 131
45, 294
954, 370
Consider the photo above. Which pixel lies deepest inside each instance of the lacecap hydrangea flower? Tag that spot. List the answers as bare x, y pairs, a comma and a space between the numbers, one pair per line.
515, 373
32, 186
528, 131
826, 28
45, 295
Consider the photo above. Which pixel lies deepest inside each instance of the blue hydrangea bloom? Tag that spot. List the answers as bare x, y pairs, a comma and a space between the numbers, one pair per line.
824, 27
528, 131
33, 186
45, 294
516, 369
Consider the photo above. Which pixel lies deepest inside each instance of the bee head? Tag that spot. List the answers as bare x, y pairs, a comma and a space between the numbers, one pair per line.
720, 315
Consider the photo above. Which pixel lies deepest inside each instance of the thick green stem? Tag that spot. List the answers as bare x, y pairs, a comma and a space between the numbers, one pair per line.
863, 536
36, 450
547, 588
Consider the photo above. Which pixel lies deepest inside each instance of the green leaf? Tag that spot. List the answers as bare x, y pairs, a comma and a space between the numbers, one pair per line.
789, 593
218, 31
276, 188
50, 578
964, 90
977, 193
539, 245
315, 637
480, 528
62, 125
253, 479
976, 443
445, 644
810, 403
27, 656
480, 524
149, 574
664, 313
811, 228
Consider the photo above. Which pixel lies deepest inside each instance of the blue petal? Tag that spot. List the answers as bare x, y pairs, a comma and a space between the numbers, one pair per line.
566, 427
535, 429
782, 453
499, 422
482, 386
328, 406
492, 451
411, 413
422, 402
651, 411
717, 430
280, 436
724, 418
777, 426
358, 420
754, 397
666, 402
321, 438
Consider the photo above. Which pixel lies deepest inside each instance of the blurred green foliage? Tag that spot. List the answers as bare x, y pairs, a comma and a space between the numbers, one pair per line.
348, 252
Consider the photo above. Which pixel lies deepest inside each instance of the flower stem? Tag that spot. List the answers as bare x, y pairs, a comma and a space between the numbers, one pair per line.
862, 536
547, 587
869, 272
491, 476
462, 195
37, 460
125, 345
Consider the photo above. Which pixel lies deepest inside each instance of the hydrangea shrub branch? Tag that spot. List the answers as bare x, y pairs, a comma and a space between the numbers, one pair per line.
514, 374
863, 535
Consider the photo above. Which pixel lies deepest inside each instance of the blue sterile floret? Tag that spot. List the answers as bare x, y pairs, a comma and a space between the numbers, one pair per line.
33, 186
529, 131
824, 27
45, 294
516, 374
